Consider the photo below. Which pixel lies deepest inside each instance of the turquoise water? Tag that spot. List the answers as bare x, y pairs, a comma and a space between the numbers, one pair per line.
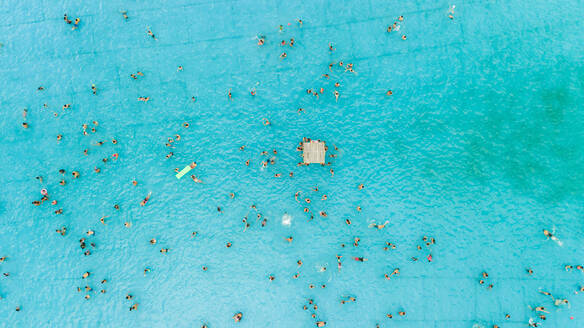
480, 146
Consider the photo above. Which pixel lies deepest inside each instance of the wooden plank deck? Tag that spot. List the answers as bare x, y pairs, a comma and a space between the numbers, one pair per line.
313, 152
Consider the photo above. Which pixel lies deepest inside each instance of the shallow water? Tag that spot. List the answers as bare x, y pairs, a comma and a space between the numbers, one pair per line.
480, 146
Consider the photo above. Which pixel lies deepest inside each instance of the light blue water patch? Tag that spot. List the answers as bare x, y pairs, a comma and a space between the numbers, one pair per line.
480, 146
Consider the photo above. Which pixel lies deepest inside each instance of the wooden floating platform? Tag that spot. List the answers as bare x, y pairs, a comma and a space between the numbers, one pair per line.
313, 152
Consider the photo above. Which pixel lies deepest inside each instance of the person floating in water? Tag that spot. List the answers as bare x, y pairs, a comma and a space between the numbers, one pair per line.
149, 32
551, 236
145, 200
378, 226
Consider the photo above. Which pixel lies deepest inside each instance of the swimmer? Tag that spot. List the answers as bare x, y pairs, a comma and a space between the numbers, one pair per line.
336, 95
102, 220
378, 226
229, 94
266, 122
145, 200
361, 186
549, 235
395, 272
289, 239
164, 250
149, 32
85, 275
25, 125
532, 323
360, 259
237, 317
125, 15
180, 68
283, 55
559, 302
134, 307
195, 179
539, 309
94, 89
144, 99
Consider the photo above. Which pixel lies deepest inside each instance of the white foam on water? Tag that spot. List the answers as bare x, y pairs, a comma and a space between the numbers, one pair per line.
286, 220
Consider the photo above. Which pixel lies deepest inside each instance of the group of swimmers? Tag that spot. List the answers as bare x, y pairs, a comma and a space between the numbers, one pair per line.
75, 22
237, 317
